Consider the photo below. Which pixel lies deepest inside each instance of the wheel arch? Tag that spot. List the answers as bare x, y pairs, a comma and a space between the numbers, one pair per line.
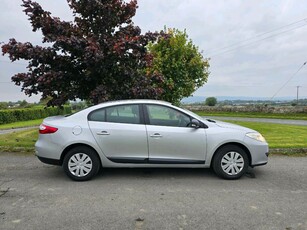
69, 147
233, 143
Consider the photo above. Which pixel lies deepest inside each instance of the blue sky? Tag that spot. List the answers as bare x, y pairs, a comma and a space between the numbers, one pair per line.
244, 61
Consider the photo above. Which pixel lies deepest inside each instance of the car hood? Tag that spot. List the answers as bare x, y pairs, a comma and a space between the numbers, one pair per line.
231, 126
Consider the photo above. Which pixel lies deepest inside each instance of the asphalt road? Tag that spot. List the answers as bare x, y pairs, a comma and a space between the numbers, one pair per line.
38, 196
5, 131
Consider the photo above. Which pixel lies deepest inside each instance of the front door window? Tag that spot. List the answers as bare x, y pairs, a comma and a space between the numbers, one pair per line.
164, 116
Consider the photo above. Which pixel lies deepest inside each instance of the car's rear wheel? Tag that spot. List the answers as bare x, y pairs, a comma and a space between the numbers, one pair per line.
230, 162
81, 163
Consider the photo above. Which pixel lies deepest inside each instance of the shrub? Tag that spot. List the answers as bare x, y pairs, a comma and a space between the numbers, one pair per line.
13, 115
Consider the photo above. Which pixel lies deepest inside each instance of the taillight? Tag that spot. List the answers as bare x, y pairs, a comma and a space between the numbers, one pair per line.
45, 129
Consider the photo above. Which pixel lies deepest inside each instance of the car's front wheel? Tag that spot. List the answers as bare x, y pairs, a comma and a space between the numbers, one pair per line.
81, 163
230, 162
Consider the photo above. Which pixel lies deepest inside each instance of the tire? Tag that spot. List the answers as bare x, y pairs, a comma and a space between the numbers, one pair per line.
81, 163
230, 162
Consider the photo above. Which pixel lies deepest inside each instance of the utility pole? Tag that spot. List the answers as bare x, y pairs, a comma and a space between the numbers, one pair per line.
297, 89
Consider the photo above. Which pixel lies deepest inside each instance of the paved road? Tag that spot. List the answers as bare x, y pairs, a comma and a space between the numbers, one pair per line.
5, 131
265, 120
38, 196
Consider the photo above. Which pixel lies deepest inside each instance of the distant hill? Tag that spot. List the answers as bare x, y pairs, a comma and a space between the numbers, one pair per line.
196, 99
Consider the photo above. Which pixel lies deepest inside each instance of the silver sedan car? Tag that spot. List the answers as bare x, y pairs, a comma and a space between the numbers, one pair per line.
147, 133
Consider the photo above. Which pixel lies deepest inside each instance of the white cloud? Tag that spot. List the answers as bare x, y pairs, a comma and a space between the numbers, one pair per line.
259, 69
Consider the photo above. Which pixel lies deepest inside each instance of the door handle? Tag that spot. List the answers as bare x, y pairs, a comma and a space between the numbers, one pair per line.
156, 135
103, 133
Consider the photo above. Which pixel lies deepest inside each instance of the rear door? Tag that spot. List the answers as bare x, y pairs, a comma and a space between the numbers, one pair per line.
120, 133
170, 139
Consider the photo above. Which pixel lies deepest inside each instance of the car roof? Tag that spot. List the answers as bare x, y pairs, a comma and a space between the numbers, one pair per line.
134, 101
119, 102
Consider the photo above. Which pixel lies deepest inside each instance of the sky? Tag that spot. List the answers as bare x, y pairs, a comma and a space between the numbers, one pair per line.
257, 48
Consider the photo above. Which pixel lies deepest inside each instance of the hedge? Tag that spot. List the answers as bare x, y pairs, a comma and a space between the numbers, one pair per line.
13, 115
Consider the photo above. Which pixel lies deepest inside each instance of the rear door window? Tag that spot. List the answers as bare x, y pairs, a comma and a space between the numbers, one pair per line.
129, 114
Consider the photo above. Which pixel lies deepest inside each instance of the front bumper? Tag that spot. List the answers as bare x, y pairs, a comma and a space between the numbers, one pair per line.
260, 164
259, 152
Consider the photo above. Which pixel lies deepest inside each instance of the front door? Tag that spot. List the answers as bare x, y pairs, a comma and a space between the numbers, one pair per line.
171, 140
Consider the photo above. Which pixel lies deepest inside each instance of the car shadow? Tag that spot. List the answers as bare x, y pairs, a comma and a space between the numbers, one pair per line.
114, 174
155, 173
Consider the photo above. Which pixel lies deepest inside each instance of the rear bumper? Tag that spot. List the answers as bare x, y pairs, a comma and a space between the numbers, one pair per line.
46, 150
49, 161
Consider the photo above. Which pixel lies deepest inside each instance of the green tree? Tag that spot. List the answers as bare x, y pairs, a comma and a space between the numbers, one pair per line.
3, 105
44, 101
23, 103
181, 64
211, 101
10, 104
101, 55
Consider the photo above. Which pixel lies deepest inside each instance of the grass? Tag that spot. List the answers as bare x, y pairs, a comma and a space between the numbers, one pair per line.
21, 124
279, 135
291, 138
19, 141
292, 116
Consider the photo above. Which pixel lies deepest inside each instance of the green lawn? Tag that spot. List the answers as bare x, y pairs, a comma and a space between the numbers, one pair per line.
279, 136
21, 124
19, 141
293, 116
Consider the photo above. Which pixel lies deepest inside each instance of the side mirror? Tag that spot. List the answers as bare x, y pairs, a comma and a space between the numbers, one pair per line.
194, 123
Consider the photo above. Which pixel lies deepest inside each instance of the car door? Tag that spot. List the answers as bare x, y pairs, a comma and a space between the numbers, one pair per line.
120, 133
170, 139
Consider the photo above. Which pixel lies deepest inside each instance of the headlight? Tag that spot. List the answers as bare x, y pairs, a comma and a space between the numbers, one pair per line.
256, 136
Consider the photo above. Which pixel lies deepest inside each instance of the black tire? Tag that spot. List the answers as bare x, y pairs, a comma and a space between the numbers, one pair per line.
78, 169
230, 162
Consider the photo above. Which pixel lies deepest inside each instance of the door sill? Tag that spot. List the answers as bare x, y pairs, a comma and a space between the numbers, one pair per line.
137, 160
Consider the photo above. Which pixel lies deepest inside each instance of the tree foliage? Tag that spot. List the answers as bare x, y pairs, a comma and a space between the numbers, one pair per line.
181, 64
3, 105
99, 56
211, 101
